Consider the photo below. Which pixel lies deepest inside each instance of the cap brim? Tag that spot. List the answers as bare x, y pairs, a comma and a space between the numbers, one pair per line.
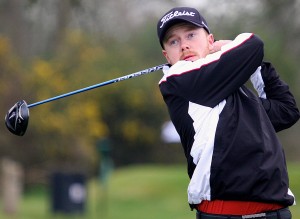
172, 23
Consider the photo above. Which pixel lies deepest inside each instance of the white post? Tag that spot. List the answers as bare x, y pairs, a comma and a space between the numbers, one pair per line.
12, 177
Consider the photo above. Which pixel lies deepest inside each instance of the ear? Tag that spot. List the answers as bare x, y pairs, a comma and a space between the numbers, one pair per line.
211, 41
164, 52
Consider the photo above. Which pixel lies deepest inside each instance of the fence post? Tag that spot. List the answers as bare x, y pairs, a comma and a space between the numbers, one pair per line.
12, 180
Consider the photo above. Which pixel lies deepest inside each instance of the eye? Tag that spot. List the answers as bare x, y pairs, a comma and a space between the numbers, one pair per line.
173, 42
191, 35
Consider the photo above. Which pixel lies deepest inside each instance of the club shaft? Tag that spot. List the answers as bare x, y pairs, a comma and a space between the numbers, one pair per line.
133, 75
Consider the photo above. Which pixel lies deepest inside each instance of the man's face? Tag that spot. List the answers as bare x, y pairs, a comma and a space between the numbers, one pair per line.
186, 41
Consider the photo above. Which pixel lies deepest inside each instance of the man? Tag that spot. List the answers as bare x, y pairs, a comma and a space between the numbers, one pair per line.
236, 163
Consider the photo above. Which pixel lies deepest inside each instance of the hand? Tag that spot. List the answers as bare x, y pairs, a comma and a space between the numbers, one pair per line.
218, 44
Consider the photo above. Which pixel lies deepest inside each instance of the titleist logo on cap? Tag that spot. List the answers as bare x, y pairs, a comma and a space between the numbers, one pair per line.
173, 14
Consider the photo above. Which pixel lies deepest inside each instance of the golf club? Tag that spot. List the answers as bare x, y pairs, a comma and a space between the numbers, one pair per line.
17, 117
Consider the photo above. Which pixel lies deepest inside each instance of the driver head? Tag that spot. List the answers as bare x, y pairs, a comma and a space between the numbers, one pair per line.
17, 117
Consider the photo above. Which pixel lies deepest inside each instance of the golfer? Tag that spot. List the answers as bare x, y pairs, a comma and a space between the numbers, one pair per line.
236, 163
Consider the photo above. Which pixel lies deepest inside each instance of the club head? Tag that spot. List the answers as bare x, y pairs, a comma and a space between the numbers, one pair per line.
16, 119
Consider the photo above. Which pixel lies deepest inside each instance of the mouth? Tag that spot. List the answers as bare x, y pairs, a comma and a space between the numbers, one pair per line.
189, 57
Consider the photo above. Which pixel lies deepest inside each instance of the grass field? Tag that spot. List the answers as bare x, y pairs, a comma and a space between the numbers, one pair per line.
145, 192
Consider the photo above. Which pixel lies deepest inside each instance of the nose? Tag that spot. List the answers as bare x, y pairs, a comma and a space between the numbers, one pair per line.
185, 46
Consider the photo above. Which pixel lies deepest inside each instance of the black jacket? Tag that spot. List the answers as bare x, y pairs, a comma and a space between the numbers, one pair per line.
229, 133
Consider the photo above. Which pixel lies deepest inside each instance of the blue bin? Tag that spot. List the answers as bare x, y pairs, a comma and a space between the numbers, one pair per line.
68, 193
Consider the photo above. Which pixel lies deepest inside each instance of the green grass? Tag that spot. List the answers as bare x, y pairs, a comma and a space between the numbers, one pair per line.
145, 192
